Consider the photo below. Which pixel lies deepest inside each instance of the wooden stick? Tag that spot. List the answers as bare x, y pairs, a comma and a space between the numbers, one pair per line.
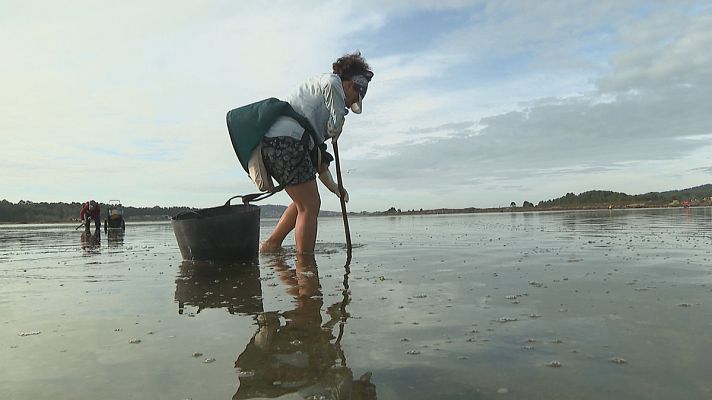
341, 197
342, 308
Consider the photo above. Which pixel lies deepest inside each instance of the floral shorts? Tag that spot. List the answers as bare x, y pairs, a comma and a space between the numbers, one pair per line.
283, 156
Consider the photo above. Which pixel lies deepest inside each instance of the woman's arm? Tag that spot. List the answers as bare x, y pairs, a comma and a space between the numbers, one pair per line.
334, 99
328, 181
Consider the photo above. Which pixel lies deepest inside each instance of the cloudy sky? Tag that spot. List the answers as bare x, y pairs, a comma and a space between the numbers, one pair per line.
473, 103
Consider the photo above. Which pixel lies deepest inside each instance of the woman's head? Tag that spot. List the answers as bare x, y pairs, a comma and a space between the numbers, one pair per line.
355, 75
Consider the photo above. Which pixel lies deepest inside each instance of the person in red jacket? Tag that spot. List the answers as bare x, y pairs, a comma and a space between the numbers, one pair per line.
90, 211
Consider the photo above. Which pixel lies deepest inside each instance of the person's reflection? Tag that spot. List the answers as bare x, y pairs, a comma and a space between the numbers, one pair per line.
299, 358
90, 243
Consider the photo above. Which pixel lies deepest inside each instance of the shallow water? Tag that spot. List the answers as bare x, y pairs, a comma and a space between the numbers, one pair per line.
570, 305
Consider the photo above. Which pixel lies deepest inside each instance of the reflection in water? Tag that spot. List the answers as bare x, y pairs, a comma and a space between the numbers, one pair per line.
301, 356
293, 354
91, 243
204, 285
115, 237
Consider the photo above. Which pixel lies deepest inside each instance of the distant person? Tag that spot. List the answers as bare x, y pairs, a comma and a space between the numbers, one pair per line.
90, 212
323, 101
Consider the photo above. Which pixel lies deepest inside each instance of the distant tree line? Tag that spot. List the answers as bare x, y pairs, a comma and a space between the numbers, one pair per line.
590, 197
31, 212
24, 212
697, 194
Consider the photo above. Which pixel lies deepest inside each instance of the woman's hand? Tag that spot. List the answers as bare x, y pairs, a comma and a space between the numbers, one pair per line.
333, 133
328, 181
346, 196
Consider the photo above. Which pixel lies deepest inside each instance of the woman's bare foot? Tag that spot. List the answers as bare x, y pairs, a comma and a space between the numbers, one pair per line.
270, 247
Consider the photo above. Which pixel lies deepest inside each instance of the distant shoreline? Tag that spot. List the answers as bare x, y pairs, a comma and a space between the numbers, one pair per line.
439, 211
28, 212
445, 211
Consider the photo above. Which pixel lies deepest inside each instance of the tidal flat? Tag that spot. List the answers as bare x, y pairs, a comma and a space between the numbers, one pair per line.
544, 305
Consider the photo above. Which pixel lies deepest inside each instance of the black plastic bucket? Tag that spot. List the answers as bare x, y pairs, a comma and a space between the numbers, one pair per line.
225, 233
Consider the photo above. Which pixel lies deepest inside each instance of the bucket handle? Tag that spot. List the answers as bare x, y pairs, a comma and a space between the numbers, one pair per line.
227, 203
247, 198
182, 213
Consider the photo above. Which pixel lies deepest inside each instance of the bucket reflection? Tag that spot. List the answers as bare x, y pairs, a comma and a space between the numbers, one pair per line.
115, 238
233, 287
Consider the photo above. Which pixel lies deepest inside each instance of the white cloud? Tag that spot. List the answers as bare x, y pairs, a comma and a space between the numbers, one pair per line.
608, 138
656, 60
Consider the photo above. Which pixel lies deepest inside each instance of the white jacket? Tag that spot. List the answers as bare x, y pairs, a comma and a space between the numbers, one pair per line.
321, 100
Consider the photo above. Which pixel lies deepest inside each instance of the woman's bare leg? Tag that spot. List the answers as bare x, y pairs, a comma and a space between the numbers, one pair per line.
300, 215
284, 226
306, 198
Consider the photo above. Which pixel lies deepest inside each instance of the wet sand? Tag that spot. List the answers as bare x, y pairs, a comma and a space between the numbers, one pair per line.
570, 305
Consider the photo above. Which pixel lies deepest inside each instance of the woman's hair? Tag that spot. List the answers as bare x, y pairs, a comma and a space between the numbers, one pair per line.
352, 64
